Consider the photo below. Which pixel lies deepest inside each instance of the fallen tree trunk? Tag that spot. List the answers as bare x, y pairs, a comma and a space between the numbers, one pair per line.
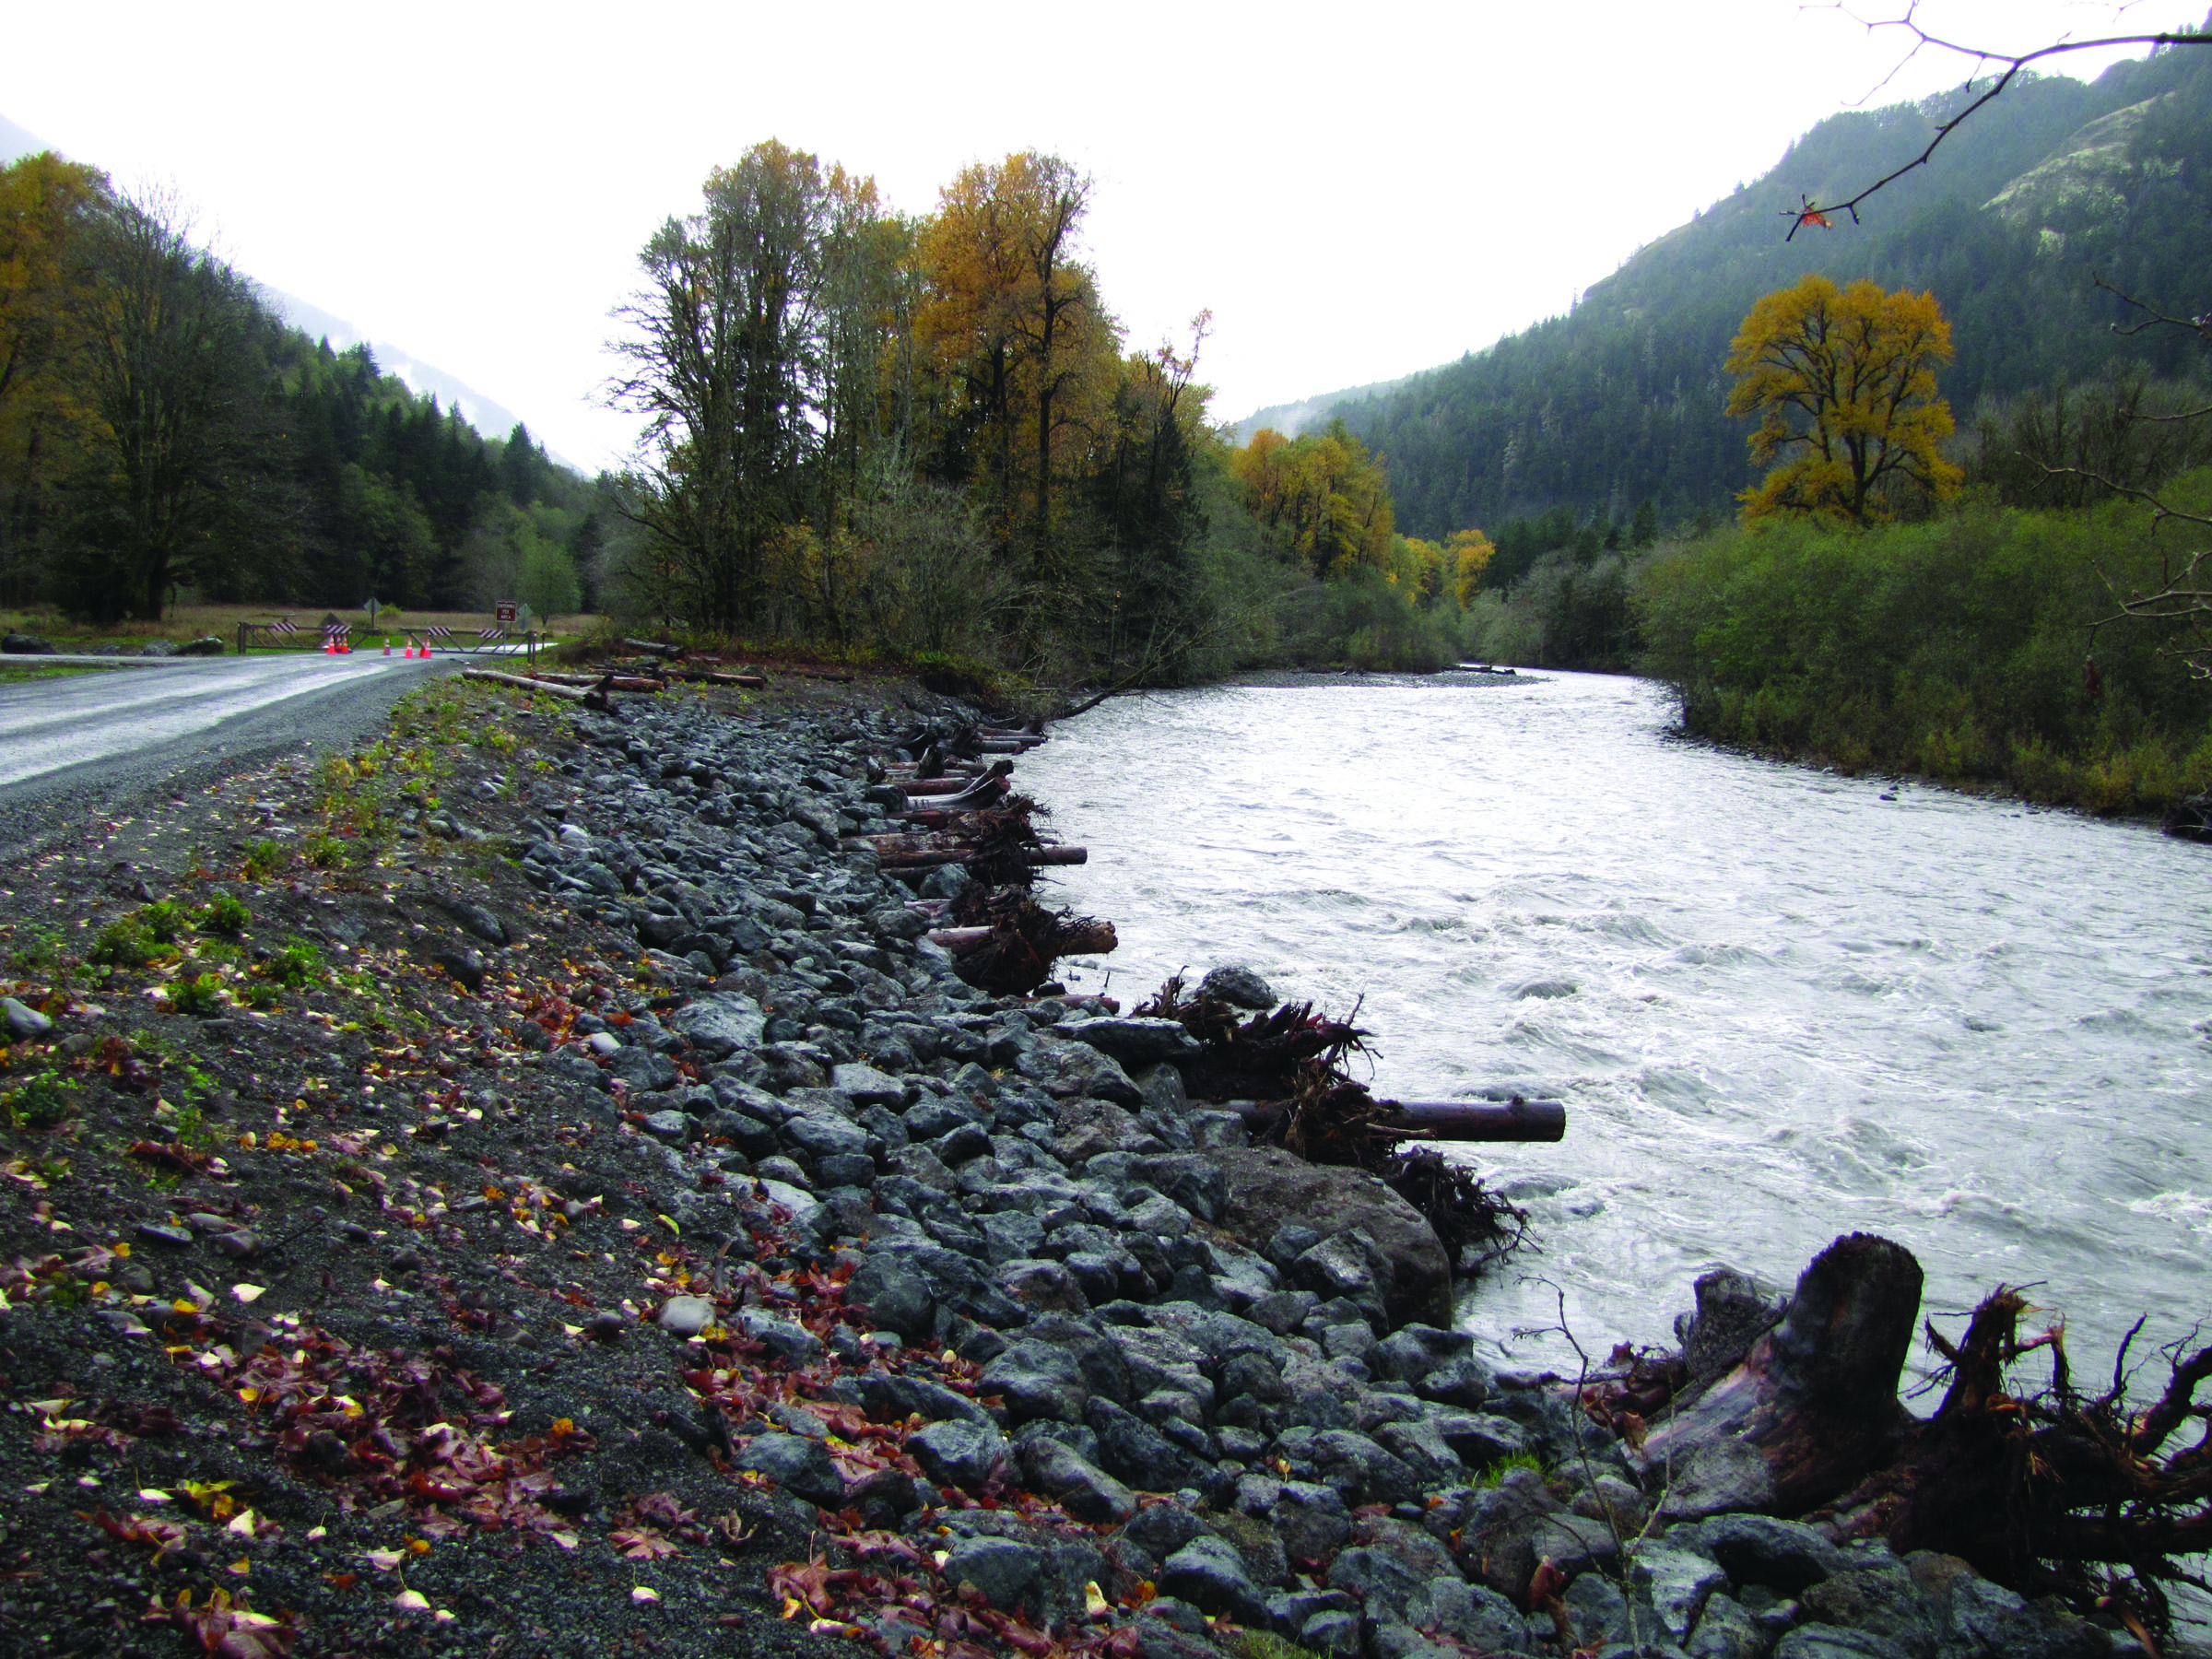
961, 940
579, 694
1445, 1119
1034, 857
653, 647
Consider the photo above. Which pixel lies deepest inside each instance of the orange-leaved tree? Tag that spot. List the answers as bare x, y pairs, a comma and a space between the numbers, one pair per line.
1843, 382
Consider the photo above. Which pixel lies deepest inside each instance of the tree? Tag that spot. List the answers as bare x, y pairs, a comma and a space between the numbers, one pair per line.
1847, 377
725, 365
174, 372
44, 201
1015, 327
1319, 496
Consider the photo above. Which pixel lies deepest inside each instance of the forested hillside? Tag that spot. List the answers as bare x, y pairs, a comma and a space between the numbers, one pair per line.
1622, 400
163, 433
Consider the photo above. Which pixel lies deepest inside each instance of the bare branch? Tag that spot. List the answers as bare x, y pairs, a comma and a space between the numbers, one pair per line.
1810, 212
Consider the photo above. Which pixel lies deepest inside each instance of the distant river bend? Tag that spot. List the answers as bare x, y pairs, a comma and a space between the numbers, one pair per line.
1779, 1006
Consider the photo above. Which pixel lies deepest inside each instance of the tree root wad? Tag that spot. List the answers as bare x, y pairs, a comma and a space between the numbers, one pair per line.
1296, 1059
2046, 1489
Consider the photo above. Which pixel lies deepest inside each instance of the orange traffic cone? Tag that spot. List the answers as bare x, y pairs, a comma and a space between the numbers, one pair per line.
330, 646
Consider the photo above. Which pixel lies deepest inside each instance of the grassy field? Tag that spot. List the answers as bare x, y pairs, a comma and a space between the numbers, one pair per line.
191, 621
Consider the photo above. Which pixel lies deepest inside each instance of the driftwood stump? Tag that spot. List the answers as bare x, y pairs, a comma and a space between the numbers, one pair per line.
1812, 1406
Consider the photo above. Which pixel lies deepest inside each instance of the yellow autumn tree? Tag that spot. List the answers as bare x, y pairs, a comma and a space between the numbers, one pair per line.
44, 201
1469, 553
1012, 326
1321, 498
1844, 383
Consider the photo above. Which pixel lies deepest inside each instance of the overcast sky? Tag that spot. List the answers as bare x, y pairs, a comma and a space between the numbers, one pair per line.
1356, 192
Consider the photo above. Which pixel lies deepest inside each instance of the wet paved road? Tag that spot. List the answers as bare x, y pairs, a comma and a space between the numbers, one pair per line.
79, 744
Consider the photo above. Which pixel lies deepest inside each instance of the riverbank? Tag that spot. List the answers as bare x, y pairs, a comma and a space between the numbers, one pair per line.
543, 1193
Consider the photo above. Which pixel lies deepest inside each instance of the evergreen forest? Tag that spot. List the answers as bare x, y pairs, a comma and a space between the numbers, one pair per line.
164, 434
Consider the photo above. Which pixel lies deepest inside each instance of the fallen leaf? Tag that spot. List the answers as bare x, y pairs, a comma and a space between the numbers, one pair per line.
249, 1293
242, 1524
242, 1566
644, 1592
411, 1601
383, 1560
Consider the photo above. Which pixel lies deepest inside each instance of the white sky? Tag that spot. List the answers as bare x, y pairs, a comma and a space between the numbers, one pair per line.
1356, 191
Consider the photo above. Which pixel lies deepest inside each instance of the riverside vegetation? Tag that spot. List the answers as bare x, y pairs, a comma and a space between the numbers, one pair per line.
527, 1186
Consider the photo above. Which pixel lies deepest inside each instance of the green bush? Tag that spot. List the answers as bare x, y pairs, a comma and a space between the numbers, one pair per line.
42, 1101
226, 916
264, 858
1956, 649
199, 996
123, 943
296, 967
163, 920
327, 853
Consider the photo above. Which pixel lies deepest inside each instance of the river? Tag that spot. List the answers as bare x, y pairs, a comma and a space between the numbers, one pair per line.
1779, 1006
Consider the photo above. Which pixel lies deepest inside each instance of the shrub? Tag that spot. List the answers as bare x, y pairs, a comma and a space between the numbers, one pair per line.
163, 921
199, 996
296, 967
123, 943
226, 916
264, 858
42, 1101
327, 853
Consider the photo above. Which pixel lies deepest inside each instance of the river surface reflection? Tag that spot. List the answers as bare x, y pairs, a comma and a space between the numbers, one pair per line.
1779, 1006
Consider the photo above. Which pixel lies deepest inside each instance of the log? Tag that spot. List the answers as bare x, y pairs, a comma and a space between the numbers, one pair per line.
751, 682
1034, 857
1449, 1120
1813, 1406
631, 682
653, 648
1483, 1120
955, 785
961, 940
569, 693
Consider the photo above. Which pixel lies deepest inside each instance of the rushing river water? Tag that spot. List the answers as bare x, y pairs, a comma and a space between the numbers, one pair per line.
1779, 1006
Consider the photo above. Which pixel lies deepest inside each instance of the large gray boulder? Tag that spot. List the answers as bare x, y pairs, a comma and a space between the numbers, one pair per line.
1268, 1188
1132, 1041
720, 1023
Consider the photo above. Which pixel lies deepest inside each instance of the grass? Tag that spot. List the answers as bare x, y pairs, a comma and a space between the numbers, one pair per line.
16, 671
191, 621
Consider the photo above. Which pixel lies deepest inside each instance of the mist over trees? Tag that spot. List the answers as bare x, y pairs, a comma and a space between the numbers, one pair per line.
163, 433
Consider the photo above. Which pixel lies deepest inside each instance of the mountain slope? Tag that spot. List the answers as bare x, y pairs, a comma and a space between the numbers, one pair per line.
1622, 399
490, 417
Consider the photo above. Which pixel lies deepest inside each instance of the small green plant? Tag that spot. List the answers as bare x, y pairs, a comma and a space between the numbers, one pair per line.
296, 967
122, 943
264, 858
39, 954
190, 1126
327, 853
1261, 1644
1497, 1471
261, 994
199, 997
226, 916
42, 1101
163, 920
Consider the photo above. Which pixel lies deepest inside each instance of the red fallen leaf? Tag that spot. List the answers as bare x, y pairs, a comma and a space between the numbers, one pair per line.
178, 1157
643, 1544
